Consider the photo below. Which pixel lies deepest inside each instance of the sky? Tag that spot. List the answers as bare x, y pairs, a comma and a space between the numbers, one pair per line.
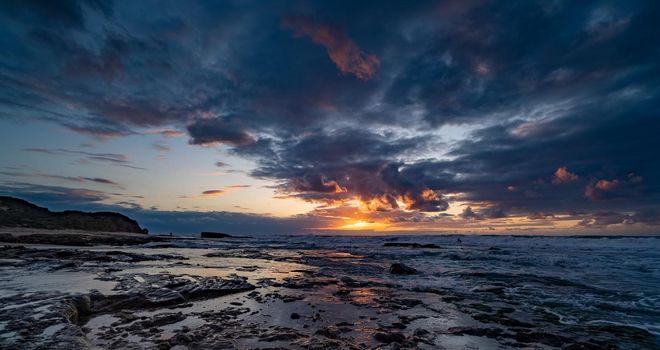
360, 117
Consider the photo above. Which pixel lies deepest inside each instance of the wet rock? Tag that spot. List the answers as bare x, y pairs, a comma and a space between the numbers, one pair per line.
542, 337
247, 268
306, 283
478, 332
401, 269
213, 287
181, 339
295, 316
147, 298
500, 319
71, 258
389, 337
163, 296
404, 319
158, 321
124, 317
331, 332
411, 245
285, 298
279, 334
497, 290
215, 235
82, 303
397, 303
147, 291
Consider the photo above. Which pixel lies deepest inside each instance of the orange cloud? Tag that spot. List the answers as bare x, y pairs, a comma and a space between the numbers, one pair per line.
217, 192
166, 132
563, 175
213, 193
238, 186
603, 189
343, 51
607, 185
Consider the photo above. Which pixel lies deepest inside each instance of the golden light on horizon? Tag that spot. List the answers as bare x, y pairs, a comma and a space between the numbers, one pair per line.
362, 225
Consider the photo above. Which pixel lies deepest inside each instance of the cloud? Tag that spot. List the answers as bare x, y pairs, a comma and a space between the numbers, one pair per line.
97, 130
563, 175
159, 221
160, 147
238, 186
468, 214
193, 222
218, 131
101, 180
166, 132
454, 104
218, 192
107, 64
605, 219
615, 188
343, 51
54, 196
66, 13
487, 213
213, 193
111, 158
79, 179
347, 164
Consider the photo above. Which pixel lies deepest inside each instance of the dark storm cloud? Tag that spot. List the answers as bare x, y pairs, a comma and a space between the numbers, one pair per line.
335, 166
344, 100
606, 147
629, 187
69, 13
504, 57
604, 219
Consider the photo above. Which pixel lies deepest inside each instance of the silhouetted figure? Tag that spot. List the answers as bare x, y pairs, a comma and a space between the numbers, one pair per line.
458, 240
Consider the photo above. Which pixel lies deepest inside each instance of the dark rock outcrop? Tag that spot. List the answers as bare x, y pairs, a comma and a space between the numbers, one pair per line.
207, 234
401, 269
16, 212
82, 238
389, 337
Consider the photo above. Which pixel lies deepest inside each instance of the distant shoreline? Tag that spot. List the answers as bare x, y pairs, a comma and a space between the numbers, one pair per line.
20, 235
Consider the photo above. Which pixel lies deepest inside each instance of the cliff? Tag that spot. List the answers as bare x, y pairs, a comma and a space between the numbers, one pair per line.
16, 212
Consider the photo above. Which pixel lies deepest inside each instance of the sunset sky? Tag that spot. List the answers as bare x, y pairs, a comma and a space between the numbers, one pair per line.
507, 117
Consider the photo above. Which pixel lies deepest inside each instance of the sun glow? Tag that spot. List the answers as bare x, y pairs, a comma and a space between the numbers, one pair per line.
360, 225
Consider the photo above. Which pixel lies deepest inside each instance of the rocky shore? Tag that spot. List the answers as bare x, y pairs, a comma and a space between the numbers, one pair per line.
248, 295
74, 237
